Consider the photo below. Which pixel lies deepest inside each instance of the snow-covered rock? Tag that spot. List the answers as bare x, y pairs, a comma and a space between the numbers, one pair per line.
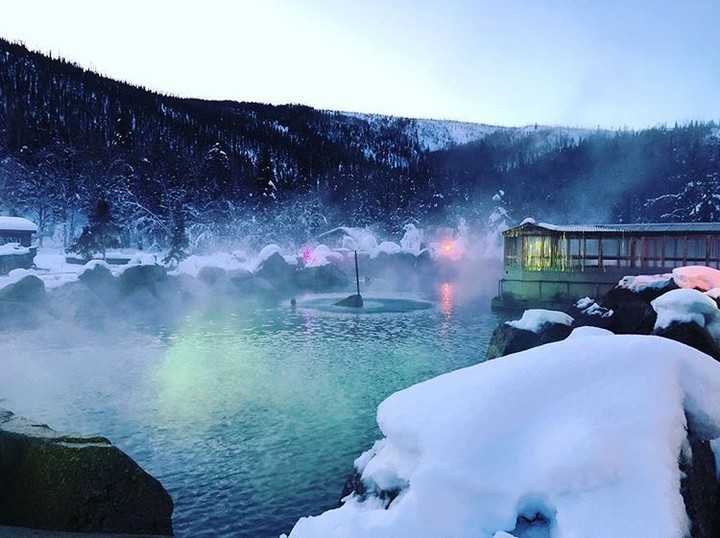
534, 319
386, 247
697, 277
535, 328
580, 437
320, 255
639, 283
692, 276
687, 306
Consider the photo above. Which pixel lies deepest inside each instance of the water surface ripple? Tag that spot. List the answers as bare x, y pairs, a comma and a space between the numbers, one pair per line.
250, 415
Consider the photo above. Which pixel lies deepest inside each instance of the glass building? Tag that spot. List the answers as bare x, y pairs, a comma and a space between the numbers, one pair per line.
549, 263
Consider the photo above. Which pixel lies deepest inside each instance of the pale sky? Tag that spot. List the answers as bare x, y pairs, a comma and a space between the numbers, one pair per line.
608, 63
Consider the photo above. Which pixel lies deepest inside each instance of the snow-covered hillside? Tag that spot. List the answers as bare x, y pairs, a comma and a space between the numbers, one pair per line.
434, 135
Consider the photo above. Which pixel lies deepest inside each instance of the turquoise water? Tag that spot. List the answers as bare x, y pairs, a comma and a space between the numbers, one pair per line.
250, 415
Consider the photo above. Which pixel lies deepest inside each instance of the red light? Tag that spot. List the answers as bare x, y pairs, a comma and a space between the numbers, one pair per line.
447, 246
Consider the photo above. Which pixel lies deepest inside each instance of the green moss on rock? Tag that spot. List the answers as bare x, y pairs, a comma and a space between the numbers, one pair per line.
80, 484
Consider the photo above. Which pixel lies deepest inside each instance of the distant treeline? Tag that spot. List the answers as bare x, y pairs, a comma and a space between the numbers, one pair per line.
70, 138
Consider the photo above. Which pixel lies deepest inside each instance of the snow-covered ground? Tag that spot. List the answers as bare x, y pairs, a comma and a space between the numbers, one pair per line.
577, 438
54, 271
334, 246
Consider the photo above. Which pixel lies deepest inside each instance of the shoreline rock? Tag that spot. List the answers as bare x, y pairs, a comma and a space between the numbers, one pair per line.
58, 482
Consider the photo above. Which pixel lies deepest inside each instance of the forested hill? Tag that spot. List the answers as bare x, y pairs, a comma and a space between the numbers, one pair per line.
70, 137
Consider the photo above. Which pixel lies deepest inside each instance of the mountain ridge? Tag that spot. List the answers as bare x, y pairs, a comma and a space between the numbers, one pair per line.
70, 137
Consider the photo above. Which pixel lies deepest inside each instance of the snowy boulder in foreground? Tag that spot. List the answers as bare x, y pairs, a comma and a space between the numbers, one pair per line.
690, 317
535, 328
577, 438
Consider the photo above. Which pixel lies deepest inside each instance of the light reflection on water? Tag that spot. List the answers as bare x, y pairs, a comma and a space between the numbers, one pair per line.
250, 416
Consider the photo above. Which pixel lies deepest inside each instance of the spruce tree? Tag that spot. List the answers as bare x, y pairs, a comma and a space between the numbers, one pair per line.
99, 234
179, 239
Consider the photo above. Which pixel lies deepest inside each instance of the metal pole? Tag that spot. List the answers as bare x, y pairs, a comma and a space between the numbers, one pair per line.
357, 274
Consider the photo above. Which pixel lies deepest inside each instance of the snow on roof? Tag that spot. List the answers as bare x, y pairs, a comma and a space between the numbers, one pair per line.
17, 224
653, 227
573, 430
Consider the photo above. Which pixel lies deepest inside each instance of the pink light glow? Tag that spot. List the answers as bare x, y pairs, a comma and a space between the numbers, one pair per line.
447, 247
307, 255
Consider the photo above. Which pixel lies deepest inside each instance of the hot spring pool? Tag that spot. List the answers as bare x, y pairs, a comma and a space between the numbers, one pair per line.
250, 415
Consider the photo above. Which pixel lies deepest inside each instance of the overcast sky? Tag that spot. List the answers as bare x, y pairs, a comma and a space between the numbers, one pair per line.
612, 63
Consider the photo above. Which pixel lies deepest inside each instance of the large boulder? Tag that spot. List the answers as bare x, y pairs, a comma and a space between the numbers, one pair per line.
691, 334
28, 290
17, 316
212, 276
248, 283
587, 313
276, 270
78, 302
323, 278
633, 317
100, 280
22, 304
699, 488
218, 283
141, 277
535, 328
623, 293
507, 339
80, 484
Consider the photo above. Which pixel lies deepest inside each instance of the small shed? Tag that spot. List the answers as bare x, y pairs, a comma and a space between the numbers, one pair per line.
16, 250
16, 230
550, 263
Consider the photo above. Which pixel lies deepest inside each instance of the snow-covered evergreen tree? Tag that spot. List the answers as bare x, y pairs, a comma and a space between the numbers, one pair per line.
698, 201
99, 234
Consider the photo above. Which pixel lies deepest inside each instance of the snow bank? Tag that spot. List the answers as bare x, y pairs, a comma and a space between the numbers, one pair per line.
224, 260
534, 319
687, 306
574, 430
9, 249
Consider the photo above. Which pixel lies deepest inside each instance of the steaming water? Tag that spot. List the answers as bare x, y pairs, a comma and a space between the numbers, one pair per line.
251, 416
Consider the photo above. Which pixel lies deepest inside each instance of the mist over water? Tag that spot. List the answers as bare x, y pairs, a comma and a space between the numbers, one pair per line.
252, 413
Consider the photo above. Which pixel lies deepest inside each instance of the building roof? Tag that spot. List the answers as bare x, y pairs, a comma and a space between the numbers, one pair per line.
651, 227
17, 224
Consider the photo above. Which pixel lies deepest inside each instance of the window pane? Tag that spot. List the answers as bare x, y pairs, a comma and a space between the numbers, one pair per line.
611, 248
